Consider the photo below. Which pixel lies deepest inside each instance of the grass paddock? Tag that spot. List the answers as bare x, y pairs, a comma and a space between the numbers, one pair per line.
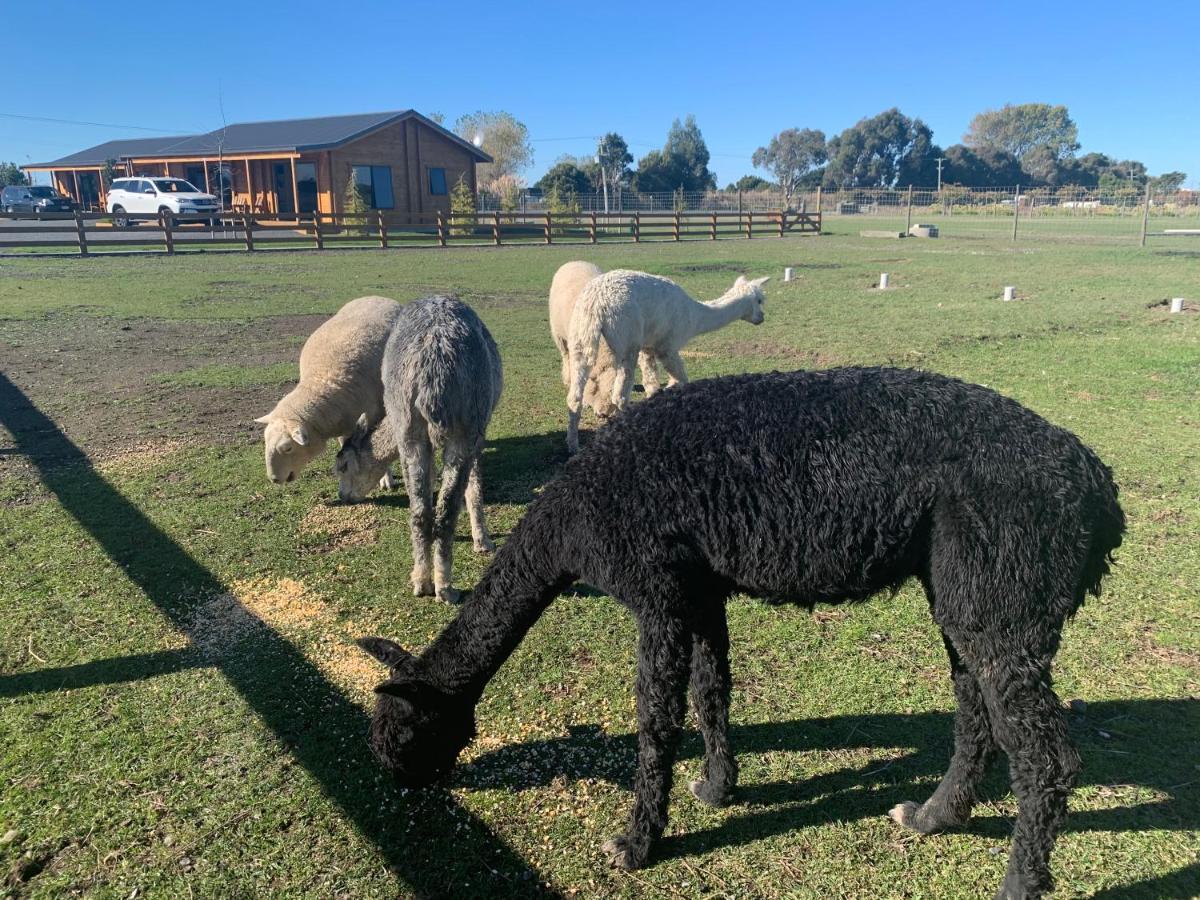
183, 712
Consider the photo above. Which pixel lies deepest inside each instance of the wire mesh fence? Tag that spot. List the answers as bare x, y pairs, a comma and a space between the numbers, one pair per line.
1069, 213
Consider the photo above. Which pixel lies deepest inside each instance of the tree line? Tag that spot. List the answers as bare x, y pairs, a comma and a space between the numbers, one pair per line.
1031, 144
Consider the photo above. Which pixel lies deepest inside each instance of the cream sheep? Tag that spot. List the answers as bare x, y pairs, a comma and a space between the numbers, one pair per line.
569, 281
634, 312
339, 381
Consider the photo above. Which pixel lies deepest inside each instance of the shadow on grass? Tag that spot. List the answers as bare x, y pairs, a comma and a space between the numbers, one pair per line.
1150, 745
309, 715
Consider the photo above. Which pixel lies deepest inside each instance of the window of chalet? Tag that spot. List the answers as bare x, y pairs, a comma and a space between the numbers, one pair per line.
437, 182
376, 182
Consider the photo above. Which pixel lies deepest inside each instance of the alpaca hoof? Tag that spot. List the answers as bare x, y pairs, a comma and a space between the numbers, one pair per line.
913, 815
388, 482
622, 855
486, 545
709, 792
422, 586
450, 595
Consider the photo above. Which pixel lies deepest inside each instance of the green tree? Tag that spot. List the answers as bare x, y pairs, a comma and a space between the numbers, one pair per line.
749, 183
502, 137
984, 168
567, 178
613, 157
462, 206
1018, 130
10, 173
561, 205
883, 151
681, 163
1168, 182
355, 202
791, 155
109, 173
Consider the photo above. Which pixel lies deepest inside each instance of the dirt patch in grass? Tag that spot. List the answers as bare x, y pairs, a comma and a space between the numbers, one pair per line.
223, 620
340, 526
138, 459
110, 380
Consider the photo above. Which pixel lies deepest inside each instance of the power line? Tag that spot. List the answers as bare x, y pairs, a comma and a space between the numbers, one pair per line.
93, 124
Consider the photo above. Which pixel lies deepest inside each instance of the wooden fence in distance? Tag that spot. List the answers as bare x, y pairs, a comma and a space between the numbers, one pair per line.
86, 234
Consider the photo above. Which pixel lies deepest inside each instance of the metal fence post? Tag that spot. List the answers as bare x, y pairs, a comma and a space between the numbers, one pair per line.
908, 227
1145, 215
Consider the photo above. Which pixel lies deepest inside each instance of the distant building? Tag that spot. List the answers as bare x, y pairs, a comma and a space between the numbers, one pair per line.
404, 162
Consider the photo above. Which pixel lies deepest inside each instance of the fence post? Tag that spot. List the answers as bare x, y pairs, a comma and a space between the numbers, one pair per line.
592, 226
676, 224
1016, 210
496, 227
81, 234
750, 225
382, 228
164, 222
248, 227
820, 218
547, 227
637, 227
739, 203
1145, 214
317, 231
908, 227
713, 225
782, 220
441, 229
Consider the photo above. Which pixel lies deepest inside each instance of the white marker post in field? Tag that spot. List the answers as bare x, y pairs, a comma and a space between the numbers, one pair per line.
1010, 293
1176, 304
883, 281
789, 273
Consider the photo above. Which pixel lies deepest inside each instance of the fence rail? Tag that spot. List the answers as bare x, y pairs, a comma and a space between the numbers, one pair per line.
84, 233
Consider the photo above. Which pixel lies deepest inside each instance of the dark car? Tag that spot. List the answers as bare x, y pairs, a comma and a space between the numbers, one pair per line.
33, 198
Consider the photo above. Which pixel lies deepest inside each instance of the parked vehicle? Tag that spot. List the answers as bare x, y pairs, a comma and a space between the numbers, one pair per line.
133, 199
33, 198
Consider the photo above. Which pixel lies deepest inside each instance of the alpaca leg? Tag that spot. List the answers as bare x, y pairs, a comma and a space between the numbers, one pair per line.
676, 370
580, 373
1028, 724
623, 381
711, 685
417, 453
388, 481
974, 748
649, 366
456, 470
663, 651
479, 532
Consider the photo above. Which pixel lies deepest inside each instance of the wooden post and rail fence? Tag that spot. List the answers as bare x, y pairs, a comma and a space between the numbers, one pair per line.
84, 234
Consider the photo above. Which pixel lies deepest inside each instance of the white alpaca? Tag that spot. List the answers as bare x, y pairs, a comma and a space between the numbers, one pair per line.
569, 282
339, 380
632, 311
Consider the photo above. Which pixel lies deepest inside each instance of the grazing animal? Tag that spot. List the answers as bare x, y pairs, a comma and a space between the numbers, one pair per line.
633, 311
339, 381
803, 488
441, 383
569, 281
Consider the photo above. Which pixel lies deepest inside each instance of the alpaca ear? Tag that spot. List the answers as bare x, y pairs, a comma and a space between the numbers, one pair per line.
361, 427
759, 282
387, 652
299, 435
264, 420
395, 690
741, 279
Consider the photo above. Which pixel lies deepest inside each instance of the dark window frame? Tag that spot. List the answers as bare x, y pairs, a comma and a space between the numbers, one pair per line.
379, 188
445, 191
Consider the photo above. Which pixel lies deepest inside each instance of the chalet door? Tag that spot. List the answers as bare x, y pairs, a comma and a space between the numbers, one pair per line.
285, 199
89, 190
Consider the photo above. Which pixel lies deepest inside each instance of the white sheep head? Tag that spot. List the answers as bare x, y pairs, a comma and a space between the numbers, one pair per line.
741, 287
290, 446
359, 466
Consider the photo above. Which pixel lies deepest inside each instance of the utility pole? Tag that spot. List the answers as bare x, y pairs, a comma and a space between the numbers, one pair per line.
939, 161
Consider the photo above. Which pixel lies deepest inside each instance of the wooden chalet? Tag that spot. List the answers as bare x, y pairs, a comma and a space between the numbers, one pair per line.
403, 161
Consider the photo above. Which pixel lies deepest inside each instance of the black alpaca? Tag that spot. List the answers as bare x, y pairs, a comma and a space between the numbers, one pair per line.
810, 487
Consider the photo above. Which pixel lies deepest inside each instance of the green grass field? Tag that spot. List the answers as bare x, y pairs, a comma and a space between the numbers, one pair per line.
182, 711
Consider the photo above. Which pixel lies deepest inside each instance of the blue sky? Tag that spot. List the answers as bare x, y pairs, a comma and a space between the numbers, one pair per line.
572, 71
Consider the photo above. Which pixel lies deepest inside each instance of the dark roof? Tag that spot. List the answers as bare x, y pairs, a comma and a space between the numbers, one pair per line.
292, 135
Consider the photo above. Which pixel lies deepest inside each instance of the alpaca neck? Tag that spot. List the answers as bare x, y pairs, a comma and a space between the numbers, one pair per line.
514, 592
719, 313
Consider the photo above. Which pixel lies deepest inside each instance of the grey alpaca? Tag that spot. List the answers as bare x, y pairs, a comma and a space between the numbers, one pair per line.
441, 382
